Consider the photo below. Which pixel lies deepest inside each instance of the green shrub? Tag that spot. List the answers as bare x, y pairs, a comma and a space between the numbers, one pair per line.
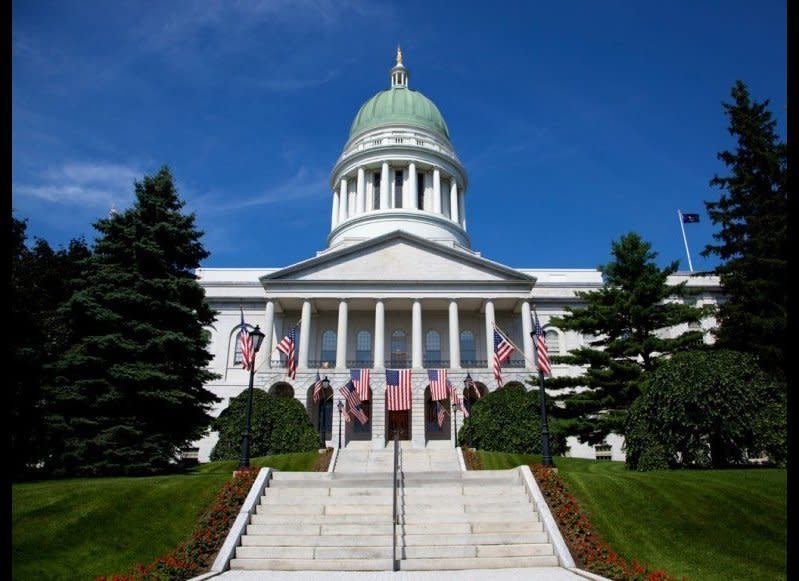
508, 420
279, 425
707, 408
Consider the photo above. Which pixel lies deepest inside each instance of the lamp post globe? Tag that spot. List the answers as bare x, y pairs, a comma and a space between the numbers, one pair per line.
257, 337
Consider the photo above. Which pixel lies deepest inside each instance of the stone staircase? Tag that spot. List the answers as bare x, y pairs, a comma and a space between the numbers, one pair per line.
342, 521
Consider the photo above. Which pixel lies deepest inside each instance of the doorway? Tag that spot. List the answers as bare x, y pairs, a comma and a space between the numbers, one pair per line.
401, 422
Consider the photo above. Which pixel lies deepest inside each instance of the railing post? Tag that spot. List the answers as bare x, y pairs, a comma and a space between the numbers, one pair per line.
396, 466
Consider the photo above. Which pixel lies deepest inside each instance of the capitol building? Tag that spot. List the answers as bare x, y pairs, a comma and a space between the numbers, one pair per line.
398, 287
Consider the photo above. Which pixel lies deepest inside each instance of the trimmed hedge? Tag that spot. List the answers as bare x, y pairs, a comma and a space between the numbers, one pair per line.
508, 420
278, 425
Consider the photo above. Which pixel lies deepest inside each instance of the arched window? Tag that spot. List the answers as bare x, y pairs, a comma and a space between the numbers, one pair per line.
399, 353
432, 347
553, 341
468, 349
363, 348
329, 346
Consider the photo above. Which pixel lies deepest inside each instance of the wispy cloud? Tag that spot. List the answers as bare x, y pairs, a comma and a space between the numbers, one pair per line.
94, 184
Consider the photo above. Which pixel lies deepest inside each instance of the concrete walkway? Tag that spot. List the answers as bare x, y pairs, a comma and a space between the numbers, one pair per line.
530, 574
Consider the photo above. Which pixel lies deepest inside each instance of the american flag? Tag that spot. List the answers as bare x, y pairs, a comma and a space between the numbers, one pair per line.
287, 345
540, 340
360, 377
502, 351
359, 414
438, 383
440, 414
350, 394
471, 384
317, 388
247, 353
453, 392
398, 389
345, 414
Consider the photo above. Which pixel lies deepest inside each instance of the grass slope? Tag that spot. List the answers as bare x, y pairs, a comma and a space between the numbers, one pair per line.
701, 524
82, 528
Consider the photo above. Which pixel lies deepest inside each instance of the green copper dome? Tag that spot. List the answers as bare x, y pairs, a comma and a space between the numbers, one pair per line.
399, 105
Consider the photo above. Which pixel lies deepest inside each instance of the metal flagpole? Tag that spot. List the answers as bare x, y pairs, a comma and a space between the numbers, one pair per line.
685, 240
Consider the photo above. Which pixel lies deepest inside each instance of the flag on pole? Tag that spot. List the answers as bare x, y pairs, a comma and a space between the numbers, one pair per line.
398, 389
360, 377
540, 341
359, 414
471, 384
345, 414
689, 218
317, 388
438, 384
456, 400
502, 351
350, 394
440, 414
247, 353
288, 345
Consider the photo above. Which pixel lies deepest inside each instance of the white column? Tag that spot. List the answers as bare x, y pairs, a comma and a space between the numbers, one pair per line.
527, 328
416, 337
410, 188
380, 334
342, 201
453, 201
305, 334
384, 187
341, 336
360, 193
490, 333
454, 336
269, 325
462, 209
334, 217
436, 191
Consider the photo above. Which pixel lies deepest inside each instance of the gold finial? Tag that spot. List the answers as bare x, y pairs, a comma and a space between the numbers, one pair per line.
399, 55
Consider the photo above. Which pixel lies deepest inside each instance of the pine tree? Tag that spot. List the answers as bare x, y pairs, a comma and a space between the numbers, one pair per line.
753, 241
626, 316
130, 389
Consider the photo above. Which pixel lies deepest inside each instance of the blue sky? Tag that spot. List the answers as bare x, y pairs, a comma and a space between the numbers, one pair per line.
577, 122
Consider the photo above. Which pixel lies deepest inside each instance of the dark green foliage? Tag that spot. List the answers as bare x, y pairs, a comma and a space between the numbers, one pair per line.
707, 408
42, 279
278, 425
129, 390
632, 305
509, 420
753, 240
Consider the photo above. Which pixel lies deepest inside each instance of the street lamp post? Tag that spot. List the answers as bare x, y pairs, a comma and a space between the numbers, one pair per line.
468, 382
256, 336
340, 406
322, 415
455, 417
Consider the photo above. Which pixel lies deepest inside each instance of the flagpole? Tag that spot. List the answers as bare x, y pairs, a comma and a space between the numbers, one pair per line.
275, 349
685, 240
546, 458
504, 334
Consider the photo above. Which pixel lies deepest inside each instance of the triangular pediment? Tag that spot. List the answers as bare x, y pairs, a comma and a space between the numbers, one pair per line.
398, 256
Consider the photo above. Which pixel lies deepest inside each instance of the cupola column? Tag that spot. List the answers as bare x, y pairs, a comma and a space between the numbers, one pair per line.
411, 188
462, 208
342, 201
453, 201
384, 184
437, 191
334, 217
360, 197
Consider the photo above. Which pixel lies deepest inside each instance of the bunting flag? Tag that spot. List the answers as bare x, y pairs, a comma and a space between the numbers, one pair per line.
288, 345
247, 353
502, 351
441, 414
456, 400
317, 388
398, 389
541, 350
438, 384
360, 377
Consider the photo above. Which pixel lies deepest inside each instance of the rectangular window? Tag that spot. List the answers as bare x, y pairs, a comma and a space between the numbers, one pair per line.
398, 188
420, 191
376, 191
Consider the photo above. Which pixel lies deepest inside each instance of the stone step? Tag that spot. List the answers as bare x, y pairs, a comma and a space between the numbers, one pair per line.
322, 529
338, 552
408, 540
311, 564
478, 563
386, 552
368, 491
455, 504
509, 519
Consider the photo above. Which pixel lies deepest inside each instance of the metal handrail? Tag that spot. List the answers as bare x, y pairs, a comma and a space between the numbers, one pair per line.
396, 478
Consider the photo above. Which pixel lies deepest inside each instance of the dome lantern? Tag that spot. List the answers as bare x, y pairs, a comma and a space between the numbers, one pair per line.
399, 74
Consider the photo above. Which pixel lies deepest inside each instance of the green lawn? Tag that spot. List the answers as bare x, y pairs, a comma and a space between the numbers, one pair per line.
701, 524
78, 529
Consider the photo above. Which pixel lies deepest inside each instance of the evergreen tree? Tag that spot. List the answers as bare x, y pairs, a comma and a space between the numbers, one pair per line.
753, 240
42, 279
627, 316
129, 390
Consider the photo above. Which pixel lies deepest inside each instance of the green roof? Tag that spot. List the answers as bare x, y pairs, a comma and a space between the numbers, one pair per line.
399, 105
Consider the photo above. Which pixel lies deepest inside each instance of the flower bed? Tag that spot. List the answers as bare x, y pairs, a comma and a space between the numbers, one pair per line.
589, 551
197, 555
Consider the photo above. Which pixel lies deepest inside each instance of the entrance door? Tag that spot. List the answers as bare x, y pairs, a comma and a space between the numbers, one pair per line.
399, 421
